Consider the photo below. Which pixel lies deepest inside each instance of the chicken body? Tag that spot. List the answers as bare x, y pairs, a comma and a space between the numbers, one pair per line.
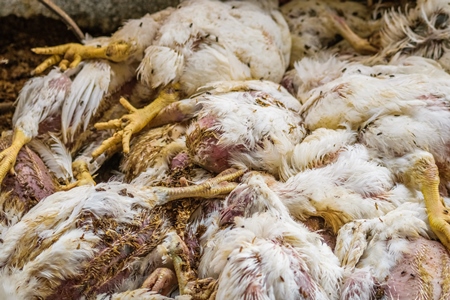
245, 249
199, 42
376, 100
370, 99
73, 233
313, 30
228, 128
392, 257
206, 41
421, 30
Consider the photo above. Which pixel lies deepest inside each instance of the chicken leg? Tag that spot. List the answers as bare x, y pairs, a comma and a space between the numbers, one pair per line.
361, 45
426, 174
70, 55
82, 174
216, 186
9, 155
162, 279
188, 284
136, 120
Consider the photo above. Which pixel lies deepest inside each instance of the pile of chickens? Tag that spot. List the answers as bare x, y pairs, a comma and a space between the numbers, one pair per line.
268, 151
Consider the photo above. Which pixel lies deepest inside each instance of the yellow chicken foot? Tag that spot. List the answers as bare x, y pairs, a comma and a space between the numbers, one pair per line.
82, 174
70, 55
162, 280
188, 284
216, 186
361, 45
9, 155
136, 120
426, 173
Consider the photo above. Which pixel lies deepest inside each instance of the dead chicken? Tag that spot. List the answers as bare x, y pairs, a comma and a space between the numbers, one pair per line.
420, 28
225, 128
392, 257
199, 42
392, 118
314, 30
264, 253
22, 190
96, 239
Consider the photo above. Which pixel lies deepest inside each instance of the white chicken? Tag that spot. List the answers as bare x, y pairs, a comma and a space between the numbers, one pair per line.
360, 97
199, 42
93, 239
421, 29
58, 103
265, 254
313, 28
224, 127
392, 257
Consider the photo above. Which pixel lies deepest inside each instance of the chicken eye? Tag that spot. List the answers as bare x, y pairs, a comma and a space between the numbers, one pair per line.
441, 21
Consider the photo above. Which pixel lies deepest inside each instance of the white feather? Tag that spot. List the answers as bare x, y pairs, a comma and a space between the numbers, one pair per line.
57, 158
88, 89
40, 98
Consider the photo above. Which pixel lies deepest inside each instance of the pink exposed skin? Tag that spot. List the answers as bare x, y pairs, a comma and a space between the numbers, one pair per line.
419, 274
361, 284
425, 259
32, 181
288, 82
203, 146
180, 161
239, 201
50, 124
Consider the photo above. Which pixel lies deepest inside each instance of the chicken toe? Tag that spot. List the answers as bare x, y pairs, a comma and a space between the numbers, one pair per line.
9, 155
162, 280
216, 186
82, 174
136, 120
70, 55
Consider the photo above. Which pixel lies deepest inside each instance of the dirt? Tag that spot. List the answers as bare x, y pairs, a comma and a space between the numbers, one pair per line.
18, 36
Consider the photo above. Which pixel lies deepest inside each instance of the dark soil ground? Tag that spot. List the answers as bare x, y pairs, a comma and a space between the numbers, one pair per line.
17, 37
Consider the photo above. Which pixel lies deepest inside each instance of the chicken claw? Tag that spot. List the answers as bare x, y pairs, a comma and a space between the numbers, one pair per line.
82, 174
162, 280
202, 289
426, 173
216, 186
360, 45
9, 155
70, 55
135, 121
